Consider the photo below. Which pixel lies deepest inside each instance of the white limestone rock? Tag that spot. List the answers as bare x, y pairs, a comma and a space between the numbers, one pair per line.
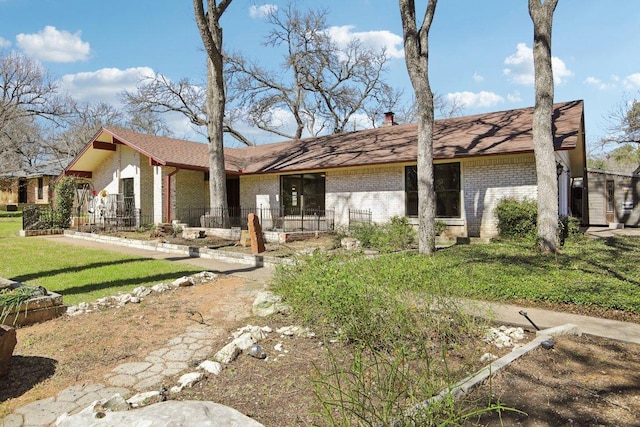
187, 380
211, 367
298, 331
268, 303
183, 281
160, 287
141, 291
204, 277
228, 353
143, 399
244, 341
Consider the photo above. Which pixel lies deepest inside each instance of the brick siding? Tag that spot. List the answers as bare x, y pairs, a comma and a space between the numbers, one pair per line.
488, 180
380, 189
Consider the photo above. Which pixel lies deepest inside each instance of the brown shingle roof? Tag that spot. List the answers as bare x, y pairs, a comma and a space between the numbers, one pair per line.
503, 132
164, 150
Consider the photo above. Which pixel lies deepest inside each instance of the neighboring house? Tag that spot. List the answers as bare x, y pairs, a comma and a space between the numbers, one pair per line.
31, 185
478, 161
614, 198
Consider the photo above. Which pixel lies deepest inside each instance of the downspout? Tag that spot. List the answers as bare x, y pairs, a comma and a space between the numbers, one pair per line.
167, 211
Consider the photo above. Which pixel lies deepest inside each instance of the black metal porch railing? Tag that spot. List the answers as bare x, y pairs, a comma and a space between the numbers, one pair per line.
36, 217
359, 216
270, 218
125, 220
214, 218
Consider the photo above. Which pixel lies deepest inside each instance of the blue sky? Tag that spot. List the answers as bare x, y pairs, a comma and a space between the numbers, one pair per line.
480, 51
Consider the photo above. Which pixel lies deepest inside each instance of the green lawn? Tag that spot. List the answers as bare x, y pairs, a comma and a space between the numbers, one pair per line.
78, 274
9, 226
594, 274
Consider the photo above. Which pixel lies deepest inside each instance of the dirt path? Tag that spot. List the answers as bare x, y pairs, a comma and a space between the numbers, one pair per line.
59, 353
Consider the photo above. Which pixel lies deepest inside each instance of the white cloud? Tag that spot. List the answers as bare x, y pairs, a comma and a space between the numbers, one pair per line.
482, 99
520, 67
596, 82
632, 81
560, 71
105, 84
593, 81
259, 12
4, 43
477, 78
514, 97
54, 46
392, 43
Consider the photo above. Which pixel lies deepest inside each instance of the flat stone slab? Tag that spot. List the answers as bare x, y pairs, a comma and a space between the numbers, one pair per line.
132, 368
169, 413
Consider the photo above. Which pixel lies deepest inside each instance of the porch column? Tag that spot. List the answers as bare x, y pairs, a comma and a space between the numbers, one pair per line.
158, 199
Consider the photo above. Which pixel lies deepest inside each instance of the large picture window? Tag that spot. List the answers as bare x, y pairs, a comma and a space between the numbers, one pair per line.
447, 188
302, 191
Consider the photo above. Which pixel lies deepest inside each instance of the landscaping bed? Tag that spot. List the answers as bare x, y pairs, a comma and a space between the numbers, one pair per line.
589, 380
303, 243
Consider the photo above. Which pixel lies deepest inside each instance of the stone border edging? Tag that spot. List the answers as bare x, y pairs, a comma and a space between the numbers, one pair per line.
469, 383
46, 232
191, 251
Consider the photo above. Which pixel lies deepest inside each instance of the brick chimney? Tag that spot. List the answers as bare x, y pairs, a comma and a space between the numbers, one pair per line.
388, 119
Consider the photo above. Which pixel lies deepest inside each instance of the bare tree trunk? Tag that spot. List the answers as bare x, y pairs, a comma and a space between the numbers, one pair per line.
215, 106
416, 46
542, 17
211, 34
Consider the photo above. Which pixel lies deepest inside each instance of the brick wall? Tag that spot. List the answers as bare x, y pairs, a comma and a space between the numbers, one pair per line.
260, 191
189, 190
380, 189
486, 181
146, 188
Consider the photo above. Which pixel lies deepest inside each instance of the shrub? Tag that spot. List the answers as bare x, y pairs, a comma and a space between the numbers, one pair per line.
516, 218
65, 190
398, 330
393, 236
568, 227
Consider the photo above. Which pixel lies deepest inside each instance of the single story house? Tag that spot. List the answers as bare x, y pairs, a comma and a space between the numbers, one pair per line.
30, 185
478, 160
614, 198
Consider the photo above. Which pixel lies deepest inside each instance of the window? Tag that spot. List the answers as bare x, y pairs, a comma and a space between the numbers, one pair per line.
447, 188
610, 195
302, 191
40, 188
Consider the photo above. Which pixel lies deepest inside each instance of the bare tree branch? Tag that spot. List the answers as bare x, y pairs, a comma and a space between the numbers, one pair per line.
322, 85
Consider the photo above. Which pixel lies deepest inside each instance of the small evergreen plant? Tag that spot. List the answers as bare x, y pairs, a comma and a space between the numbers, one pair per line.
65, 191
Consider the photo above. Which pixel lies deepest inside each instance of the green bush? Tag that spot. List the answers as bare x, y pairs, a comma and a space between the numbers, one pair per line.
516, 218
65, 191
4, 214
569, 227
393, 236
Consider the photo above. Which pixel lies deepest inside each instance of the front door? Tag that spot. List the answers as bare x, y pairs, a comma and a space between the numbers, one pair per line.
22, 190
610, 215
128, 198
